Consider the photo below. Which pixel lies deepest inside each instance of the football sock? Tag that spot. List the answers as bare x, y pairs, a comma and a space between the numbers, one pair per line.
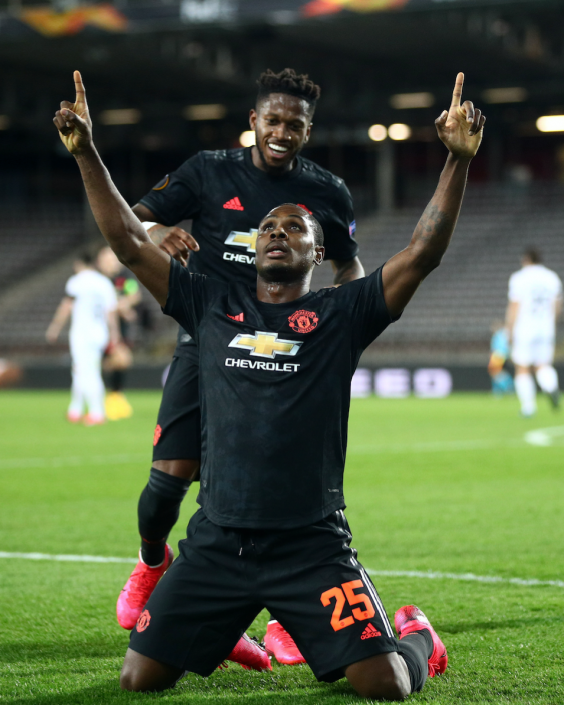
117, 380
526, 392
547, 377
416, 649
158, 510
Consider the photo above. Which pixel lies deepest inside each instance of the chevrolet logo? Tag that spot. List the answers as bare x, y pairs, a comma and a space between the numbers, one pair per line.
265, 344
246, 240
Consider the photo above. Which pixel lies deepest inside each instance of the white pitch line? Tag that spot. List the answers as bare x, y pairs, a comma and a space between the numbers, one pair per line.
470, 577
431, 575
72, 461
69, 558
544, 436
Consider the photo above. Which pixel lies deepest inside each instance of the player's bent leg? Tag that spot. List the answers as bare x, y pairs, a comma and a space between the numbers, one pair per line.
381, 677
158, 510
143, 674
159, 505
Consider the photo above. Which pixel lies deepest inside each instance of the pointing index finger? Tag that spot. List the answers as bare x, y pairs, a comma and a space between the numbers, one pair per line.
79, 87
457, 92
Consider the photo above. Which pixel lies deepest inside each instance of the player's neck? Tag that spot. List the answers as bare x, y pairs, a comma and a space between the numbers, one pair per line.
281, 292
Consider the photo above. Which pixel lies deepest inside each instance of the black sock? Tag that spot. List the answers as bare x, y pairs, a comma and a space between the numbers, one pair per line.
158, 510
117, 380
416, 649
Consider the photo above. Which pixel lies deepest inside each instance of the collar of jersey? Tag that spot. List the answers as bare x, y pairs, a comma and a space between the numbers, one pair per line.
289, 304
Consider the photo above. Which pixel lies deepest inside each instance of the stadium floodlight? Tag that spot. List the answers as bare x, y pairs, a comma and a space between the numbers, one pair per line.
377, 133
123, 116
213, 111
551, 123
247, 138
4, 122
398, 131
407, 101
505, 95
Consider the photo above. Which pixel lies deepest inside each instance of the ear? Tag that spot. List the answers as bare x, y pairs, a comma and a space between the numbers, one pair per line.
319, 255
253, 118
308, 132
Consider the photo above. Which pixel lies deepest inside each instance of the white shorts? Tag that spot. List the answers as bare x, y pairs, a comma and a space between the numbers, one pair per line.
527, 351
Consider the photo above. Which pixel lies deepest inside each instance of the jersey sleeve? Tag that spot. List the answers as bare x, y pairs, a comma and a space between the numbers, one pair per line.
340, 229
190, 296
178, 195
71, 287
369, 315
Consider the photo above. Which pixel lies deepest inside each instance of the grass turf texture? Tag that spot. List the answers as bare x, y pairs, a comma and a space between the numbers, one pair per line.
432, 485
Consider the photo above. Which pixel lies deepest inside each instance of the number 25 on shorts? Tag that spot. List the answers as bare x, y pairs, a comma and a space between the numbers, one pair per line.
347, 594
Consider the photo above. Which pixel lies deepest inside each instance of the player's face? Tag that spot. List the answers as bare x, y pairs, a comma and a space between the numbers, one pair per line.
282, 124
286, 248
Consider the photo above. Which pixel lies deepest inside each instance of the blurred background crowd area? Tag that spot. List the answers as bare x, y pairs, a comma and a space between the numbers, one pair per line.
167, 78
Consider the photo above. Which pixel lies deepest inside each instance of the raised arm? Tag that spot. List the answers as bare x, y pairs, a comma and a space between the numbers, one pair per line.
461, 131
117, 222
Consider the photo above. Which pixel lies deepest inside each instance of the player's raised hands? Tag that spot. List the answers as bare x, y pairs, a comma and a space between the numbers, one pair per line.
175, 241
73, 120
461, 127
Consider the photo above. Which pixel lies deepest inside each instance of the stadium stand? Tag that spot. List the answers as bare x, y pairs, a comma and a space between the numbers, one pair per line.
450, 316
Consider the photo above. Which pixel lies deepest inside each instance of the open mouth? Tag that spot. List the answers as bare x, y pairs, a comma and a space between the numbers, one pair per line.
278, 150
276, 251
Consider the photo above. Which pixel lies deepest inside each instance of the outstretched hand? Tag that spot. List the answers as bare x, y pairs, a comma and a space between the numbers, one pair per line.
176, 242
461, 128
73, 120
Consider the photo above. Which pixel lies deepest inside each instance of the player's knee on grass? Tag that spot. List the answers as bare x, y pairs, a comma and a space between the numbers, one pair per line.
380, 677
143, 674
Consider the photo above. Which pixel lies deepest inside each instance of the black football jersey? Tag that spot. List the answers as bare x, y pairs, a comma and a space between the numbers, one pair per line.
226, 196
274, 394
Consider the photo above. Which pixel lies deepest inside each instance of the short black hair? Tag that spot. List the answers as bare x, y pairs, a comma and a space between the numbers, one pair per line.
289, 82
533, 255
86, 257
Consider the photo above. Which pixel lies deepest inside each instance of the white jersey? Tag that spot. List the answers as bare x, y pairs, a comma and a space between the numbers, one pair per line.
94, 297
536, 289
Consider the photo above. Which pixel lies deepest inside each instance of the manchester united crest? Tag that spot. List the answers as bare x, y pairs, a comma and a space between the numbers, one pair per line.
303, 321
143, 621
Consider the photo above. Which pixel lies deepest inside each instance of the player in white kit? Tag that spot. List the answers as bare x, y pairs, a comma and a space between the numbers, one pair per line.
535, 302
90, 300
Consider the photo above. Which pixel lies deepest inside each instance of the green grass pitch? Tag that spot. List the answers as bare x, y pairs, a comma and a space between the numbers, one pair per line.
433, 486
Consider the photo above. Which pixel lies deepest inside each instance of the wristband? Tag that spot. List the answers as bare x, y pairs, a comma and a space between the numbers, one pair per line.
147, 225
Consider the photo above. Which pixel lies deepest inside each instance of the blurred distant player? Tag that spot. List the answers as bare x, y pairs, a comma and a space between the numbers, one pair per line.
118, 358
535, 302
91, 302
502, 383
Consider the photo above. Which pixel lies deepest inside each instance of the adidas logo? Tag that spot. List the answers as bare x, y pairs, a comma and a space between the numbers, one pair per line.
239, 317
234, 204
369, 632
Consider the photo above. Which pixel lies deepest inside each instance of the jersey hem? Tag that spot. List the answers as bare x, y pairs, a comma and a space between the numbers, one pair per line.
233, 523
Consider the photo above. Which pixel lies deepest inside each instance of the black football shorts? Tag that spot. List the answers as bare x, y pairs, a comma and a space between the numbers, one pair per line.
309, 579
178, 433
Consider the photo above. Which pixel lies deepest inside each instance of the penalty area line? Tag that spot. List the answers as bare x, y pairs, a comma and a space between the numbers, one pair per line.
430, 575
